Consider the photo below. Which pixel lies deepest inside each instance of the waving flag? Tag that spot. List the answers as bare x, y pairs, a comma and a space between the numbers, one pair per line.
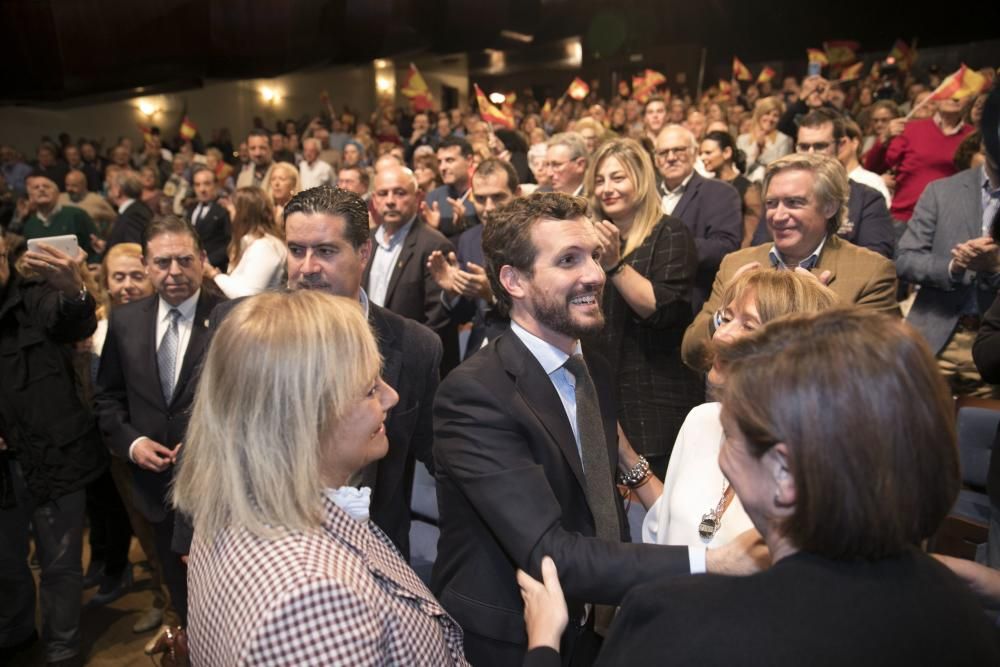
817, 56
188, 129
489, 112
578, 89
740, 71
960, 85
903, 54
644, 85
415, 89
852, 72
841, 52
725, 89
766, 75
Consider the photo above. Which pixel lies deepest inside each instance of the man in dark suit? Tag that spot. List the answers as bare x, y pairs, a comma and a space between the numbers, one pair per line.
711, 209
397, 277
466, 291
526, 451
326, 230
147, 379
124, 191
210, 219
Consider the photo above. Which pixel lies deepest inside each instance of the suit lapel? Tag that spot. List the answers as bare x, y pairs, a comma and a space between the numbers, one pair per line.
405, 255
392, 361
971, 204
541, 397
690, 192
196, 343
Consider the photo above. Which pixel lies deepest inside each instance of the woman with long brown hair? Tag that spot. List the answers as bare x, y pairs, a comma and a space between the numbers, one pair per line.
256, 249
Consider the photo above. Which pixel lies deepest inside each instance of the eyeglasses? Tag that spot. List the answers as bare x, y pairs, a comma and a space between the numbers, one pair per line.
556, 166
679, 151
817, 146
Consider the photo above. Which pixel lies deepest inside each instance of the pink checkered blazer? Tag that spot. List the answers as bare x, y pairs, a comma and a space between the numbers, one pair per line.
342, 596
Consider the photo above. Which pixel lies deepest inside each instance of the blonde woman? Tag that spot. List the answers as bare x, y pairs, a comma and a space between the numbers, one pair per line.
650, 261
285, 563
282, 185
764, 144
256, 250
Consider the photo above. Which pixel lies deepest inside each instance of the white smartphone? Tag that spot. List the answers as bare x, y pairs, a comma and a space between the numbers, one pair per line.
66, 243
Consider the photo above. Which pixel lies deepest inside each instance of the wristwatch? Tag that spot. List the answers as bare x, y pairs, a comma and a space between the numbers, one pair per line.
80, 297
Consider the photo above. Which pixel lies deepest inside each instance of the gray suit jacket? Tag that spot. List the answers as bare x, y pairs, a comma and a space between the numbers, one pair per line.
949, 212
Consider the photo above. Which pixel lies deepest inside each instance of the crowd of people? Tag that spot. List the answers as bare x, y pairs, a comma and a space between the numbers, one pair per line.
693, 305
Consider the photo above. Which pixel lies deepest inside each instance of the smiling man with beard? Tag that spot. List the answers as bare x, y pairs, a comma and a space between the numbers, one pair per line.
525, 446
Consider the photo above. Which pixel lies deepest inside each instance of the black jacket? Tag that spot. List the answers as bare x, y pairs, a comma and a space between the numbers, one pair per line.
214, 230
49, 429
130, 226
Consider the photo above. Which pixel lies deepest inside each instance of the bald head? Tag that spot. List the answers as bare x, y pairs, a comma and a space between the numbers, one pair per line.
76, 184
675, 149
395, 195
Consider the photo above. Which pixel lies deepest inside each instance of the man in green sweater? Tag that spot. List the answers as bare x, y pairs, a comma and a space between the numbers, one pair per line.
49, 218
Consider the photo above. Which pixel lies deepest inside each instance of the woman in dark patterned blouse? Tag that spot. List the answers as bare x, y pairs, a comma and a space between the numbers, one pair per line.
650, 261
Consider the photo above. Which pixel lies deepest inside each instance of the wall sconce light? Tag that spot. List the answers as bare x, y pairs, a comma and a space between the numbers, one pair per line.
147, 109
497, 98
270, 95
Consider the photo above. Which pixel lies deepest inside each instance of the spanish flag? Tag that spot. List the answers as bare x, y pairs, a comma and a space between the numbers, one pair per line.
578, 89
740, 71
903, 54
817, 56
488, 111
415, 89
765, 75
644, 85
725, 89
188, 129
147, 132
960, 85
841, 52
852, 72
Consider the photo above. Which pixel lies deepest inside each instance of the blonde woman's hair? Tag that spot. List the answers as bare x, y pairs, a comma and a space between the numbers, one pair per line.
766, 105
778, 293
290, 170
254, 449
103, 297
639, 168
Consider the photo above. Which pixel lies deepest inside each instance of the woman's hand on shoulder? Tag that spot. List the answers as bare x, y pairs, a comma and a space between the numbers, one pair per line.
545, 612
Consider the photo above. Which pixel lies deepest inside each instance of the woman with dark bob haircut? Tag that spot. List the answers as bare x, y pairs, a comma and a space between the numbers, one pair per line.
840, 443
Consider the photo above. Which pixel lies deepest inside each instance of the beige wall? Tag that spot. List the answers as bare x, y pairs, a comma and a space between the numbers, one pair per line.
231, 104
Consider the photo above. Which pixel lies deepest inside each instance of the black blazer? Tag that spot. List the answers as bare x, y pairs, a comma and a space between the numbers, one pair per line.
411, 355
713, 211
869, 223
214, 231
412, 291
511, 490
130, 226
129, 400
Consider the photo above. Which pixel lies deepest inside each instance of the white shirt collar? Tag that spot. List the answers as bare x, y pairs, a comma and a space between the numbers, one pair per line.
548, 355
397, 238
363, 298
124, 205
680, 188
186, 307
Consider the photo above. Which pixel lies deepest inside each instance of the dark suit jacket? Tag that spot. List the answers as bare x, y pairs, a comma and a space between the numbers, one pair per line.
511, 490
412, 291
806, 610
131, 225
869, 224
129, 400
214, 231
411, 354
713, 211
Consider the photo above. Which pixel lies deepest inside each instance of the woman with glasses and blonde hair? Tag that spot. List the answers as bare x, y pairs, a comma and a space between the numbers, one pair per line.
256, 250
286, 566
650, 262
764, 144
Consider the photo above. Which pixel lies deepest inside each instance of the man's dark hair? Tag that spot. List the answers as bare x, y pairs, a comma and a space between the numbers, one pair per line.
199, 169
363, 176
821, 116
331, 200
496, 166
451, 141
651, 100
169, 224
507, 239
259, 132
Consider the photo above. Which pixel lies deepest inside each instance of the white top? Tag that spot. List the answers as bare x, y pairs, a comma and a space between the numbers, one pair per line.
693, 486
315, 175
861, 175
385, 254
260, 268
758, 159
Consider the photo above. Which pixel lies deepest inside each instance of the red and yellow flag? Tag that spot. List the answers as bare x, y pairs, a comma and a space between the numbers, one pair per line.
960, 85
852, 72
765, 75
645, 84
841, 52
147, 132
415, 89
578, 89
489, 112
903, 54
725, 90
740, 71
547, 107
817, 56
188, 129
